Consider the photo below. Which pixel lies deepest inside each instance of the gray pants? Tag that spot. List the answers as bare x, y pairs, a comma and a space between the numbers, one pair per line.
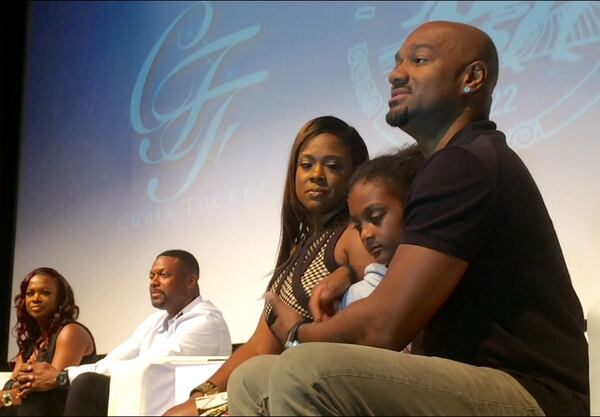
337, 379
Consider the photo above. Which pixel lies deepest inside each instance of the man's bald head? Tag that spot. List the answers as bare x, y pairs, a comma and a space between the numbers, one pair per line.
444, 77
470, 44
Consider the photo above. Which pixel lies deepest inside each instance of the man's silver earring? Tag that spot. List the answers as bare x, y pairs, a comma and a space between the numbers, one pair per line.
467, 89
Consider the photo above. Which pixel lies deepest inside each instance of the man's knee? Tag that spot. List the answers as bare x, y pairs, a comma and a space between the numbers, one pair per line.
89, 380
88, 395
249, 372
311, 359
248, 386
295, 383
300, 366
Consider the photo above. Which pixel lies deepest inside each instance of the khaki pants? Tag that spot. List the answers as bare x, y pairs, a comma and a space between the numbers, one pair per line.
338, 379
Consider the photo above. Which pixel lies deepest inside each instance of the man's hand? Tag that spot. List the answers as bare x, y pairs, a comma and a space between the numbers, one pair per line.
285, 317
328, 293
37, 376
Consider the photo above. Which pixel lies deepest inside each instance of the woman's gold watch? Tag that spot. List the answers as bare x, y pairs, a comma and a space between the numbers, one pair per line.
206, 388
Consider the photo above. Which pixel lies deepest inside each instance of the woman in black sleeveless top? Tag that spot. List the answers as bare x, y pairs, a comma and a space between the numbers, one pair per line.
46, 331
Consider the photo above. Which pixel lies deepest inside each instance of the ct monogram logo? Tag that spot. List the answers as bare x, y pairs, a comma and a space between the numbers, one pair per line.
549, 60
177, 106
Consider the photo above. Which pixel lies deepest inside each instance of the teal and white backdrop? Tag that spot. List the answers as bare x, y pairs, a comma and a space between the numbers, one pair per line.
156, 125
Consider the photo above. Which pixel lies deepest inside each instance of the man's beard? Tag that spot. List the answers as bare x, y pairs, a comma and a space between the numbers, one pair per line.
397, 116
159, 302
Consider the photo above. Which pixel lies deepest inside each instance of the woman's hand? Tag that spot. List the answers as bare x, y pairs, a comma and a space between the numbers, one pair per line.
37, 376
328, 293
187, 408
13, 394
284, 316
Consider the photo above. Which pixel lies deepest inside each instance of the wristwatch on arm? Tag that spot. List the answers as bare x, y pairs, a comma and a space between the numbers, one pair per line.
292, 337
62, 380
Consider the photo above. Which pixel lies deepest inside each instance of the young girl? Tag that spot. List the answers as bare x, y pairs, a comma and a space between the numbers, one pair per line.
376, 200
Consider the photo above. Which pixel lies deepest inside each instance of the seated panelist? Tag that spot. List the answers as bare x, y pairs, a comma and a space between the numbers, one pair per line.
186, 325
479, 274
47, 332
317, 240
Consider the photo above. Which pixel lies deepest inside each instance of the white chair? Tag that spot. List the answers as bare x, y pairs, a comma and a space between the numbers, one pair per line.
139, 388
4, 376
593, 331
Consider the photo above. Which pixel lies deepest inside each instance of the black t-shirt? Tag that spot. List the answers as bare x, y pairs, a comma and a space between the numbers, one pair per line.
515, 308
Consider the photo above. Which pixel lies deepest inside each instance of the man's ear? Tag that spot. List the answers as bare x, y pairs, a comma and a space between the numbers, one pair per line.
191, 280
475, 76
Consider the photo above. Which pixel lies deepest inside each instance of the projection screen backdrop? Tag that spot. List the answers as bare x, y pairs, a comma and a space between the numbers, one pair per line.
157, 125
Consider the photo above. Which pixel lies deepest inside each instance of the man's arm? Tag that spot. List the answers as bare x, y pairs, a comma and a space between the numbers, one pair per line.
417, 283
129, 349
202, 333
451, 209
36, 376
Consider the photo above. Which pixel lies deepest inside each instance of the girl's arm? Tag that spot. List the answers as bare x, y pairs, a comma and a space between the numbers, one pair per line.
353, 257
351, 252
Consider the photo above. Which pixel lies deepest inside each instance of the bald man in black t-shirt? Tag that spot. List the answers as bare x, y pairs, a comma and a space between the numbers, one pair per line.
480, 273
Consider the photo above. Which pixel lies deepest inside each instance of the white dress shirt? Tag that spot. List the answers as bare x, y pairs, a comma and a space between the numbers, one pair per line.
197, 330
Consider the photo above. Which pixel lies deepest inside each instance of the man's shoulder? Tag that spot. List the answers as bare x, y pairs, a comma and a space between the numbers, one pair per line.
153, 318
484, 143
451, 166
205, 305
204, 318
202, 309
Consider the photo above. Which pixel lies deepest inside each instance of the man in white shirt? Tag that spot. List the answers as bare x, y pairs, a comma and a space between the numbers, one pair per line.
188, 325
